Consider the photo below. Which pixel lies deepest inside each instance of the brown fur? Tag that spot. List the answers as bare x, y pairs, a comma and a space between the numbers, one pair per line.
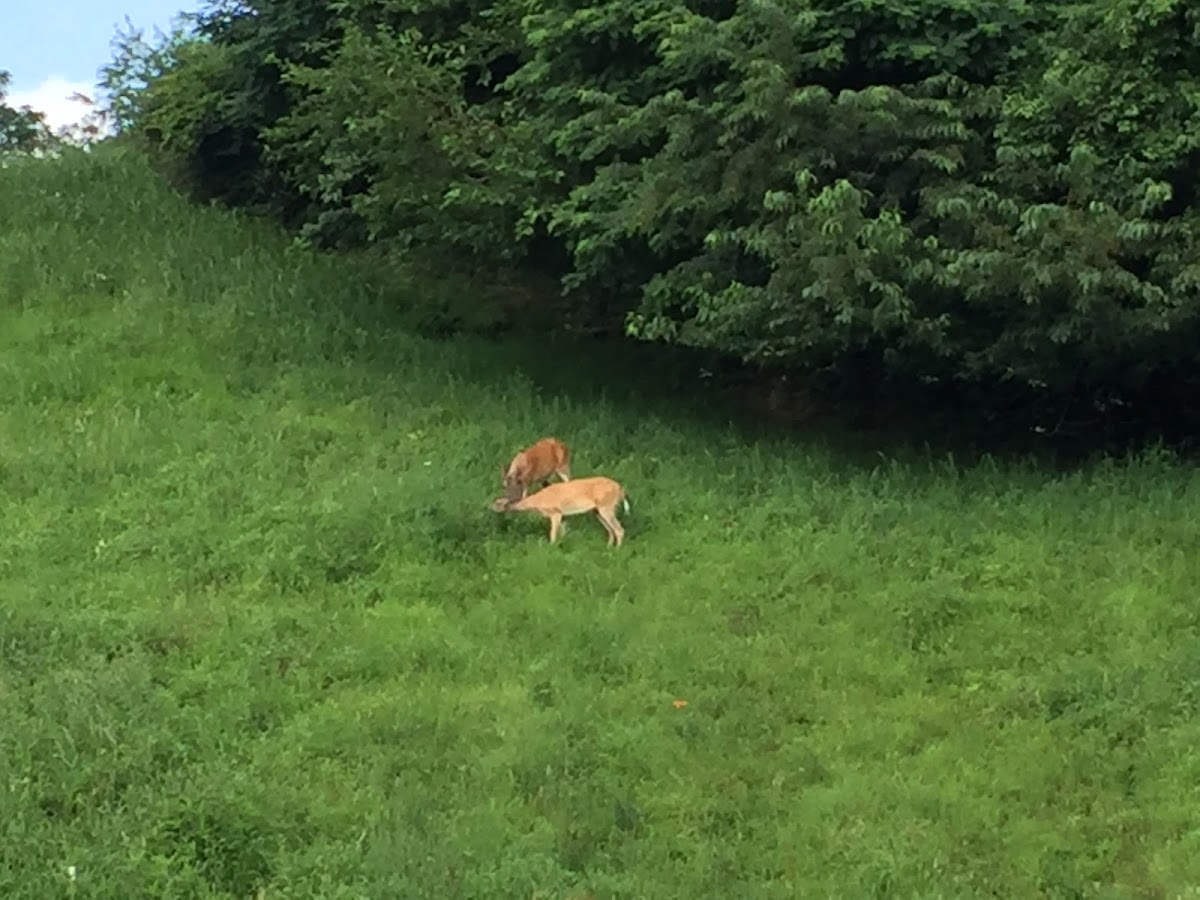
571, 498
537, 463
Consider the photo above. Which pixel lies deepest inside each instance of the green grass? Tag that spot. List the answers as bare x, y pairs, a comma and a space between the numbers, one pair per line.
260, 634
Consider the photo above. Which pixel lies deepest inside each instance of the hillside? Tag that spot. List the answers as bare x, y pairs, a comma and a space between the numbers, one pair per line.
260, 634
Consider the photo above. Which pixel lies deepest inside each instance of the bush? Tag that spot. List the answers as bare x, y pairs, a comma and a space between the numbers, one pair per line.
943, 191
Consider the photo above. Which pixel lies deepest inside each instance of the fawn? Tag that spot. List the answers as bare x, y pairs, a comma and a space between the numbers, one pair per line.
547, 457
570, 498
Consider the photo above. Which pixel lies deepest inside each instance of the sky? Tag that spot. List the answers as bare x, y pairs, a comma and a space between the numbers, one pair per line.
53, 48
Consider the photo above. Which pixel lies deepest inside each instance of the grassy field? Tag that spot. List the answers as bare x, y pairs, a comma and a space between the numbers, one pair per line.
261, 636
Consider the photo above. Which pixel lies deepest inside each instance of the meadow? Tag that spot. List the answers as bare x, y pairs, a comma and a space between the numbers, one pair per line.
261, 635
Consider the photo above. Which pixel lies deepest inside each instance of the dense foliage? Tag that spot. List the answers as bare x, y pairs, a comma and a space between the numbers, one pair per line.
22, 130
984, 191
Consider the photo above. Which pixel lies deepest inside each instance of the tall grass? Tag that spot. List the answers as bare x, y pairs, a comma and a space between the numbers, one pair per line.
260, 634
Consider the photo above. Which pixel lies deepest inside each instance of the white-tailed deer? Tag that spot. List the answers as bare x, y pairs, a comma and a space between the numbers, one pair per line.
571, 498
547, 457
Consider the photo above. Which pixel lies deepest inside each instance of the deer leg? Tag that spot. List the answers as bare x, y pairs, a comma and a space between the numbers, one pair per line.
564, 472
607, 528
615, 531
555, 526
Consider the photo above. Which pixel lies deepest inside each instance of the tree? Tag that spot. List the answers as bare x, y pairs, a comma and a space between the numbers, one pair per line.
996, 193
22, 130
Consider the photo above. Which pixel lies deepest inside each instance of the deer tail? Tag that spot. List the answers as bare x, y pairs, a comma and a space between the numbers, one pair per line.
625, 500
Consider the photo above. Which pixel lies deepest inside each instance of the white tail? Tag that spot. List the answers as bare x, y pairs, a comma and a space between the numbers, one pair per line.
571, 498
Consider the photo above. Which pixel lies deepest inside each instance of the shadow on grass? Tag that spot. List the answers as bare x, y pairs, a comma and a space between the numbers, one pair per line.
694, 388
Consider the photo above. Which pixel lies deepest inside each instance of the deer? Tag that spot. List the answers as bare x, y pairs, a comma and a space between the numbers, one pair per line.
571, 498
547, 457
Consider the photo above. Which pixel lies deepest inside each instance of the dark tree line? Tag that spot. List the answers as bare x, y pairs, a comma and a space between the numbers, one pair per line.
992, 201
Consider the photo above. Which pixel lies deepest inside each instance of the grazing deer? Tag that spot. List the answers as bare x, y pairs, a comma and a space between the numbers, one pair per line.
547, 457
570, 498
